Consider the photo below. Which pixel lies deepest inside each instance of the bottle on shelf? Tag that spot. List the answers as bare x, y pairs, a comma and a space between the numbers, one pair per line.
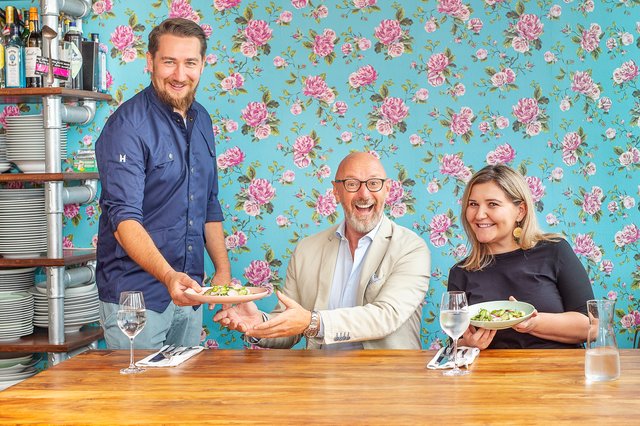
14, 53
2, 27
23, 24
102, 64
73, 45
33, 49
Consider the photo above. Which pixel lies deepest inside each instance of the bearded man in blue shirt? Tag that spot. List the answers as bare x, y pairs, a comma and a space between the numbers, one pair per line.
160, 210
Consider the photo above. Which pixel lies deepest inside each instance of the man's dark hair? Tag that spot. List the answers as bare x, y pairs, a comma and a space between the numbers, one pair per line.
178, 27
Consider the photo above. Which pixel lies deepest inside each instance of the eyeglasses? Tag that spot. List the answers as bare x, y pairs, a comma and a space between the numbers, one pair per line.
353, 185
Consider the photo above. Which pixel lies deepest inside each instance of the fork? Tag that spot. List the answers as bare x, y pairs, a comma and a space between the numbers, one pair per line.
166, 352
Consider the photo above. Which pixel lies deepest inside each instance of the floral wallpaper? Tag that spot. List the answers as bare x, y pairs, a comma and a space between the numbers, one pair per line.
437, 89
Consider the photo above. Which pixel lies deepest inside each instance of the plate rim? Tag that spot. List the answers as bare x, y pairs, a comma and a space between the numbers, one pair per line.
260, 293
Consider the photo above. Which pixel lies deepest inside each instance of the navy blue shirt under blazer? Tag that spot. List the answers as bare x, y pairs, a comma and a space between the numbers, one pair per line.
162, 173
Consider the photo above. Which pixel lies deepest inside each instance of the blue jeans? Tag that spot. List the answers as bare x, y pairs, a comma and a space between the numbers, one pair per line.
177, 325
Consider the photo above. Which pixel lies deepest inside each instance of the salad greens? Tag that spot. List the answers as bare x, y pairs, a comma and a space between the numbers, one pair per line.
498, 315
227, 290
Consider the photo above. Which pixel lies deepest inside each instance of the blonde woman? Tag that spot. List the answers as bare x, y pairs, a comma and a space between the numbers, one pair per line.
511, 257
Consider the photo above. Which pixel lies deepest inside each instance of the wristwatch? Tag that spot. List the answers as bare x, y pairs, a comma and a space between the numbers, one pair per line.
314, 326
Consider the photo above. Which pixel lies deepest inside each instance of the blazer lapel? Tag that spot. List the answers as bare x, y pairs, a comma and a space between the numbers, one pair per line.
329, 254
376, 253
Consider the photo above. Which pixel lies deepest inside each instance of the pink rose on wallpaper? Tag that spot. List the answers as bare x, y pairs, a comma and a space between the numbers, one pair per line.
288, 176
422, 94
529, 26
255, 113
296, 108
481, 54
285, 17
430, 26
122, 37
398, 210
102, 6
323, 172
606, 266
230, 158
590, 40
67, 242
249, 49
364, 3
182, 9
394, 110
591, 203
302, 161
8, 111
571, 141
299, 4
461, 122
501, 122
340, 108
235, 240
586, 247
526, 110
251, 208
503, 154
453, 165
230, 125
207, 30
262, 131
582, 82
533, 128
90, 210
282, 221
440, 223
303, 144
129, 54
258, 32
346, 48
222, 5
258, 273
396, 192
438, 62
475, 25
261, 191
570, 158
363, 76
326, 204
389, 31
71, 210
627, 72
536, 187
484, 127
395, 50
323, 44
364, 43
520, 44
632, 319
628, 235
454, 8
315, 87
438, 239
384, 127
435, 79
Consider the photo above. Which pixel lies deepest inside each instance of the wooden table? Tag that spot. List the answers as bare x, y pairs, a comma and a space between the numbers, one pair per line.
321, 387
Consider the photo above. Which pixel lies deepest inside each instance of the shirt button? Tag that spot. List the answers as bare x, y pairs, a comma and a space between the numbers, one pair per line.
190, 222
191, 197
190, 248
170, 156
193, 170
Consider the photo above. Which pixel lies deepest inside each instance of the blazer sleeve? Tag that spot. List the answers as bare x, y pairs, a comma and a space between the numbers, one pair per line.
390, 301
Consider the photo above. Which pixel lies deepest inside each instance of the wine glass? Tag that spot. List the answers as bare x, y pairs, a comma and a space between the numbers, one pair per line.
132, 316
454, 320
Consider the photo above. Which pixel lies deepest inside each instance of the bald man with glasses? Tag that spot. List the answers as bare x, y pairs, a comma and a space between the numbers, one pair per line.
358, 285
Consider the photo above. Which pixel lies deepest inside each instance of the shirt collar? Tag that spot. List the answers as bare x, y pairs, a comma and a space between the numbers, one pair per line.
370, 235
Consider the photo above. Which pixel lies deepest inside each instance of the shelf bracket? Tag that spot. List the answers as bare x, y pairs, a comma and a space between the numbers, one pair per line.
81, 114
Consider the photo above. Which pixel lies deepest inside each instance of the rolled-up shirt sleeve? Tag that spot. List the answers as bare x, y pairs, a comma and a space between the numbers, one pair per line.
121, 161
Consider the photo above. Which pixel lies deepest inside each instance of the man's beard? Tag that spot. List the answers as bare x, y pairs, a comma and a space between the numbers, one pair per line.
362, 226
182, 103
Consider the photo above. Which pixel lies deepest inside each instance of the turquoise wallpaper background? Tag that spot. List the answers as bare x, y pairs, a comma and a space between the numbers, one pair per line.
437, 90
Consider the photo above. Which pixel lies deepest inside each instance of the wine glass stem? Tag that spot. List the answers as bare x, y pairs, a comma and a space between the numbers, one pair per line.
455, 354
131, 354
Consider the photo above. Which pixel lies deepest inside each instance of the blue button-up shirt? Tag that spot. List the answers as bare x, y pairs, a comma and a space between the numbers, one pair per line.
159, 169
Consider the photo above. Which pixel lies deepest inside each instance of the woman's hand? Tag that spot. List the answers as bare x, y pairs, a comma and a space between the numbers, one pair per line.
528, 325
477, 337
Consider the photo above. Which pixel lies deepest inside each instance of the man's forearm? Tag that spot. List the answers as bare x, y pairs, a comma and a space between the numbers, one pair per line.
214, 235
137, 242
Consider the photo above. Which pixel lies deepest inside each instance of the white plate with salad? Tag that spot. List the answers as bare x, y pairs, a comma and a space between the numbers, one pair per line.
499, 314
227, 294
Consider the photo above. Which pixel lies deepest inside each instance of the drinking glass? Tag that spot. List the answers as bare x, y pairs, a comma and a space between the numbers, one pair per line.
602, 359
132, 316
454, 320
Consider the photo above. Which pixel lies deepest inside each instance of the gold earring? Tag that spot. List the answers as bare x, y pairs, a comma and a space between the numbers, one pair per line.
517, 232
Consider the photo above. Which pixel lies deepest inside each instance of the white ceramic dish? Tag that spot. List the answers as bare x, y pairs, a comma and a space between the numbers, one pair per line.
256, 293
500, 304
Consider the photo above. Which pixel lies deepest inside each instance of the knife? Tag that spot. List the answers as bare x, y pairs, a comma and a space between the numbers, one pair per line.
444, 355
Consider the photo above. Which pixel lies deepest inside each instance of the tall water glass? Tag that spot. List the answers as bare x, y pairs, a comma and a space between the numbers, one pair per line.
454, 320
602, 359
132, 316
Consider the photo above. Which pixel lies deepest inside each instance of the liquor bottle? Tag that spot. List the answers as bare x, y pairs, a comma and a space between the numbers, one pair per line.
14, 54
33, 49
2, 26
73, 44
23, 25
102, 64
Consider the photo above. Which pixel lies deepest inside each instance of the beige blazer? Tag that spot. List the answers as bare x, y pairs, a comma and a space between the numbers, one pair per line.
392, 289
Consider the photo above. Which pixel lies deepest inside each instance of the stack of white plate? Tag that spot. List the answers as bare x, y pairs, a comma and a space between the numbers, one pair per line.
25, 142
4, 163
17, 279
15, 368
81, 306
16, 315
23, 223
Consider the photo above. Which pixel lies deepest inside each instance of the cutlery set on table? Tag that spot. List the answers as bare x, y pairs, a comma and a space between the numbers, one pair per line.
170, 356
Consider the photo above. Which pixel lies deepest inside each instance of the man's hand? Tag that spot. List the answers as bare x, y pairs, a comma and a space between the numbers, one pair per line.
477, 337
177, 283
240, 317
294, 320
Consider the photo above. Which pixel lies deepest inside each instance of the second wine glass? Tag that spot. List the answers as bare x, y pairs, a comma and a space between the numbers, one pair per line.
132, 316
454, 320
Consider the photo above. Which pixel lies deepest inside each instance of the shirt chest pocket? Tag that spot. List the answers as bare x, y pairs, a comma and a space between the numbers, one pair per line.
163, 158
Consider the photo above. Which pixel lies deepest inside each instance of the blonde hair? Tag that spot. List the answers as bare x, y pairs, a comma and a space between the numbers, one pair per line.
516, 189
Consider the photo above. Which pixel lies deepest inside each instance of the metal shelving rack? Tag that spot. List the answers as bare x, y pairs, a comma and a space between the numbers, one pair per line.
54, 111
